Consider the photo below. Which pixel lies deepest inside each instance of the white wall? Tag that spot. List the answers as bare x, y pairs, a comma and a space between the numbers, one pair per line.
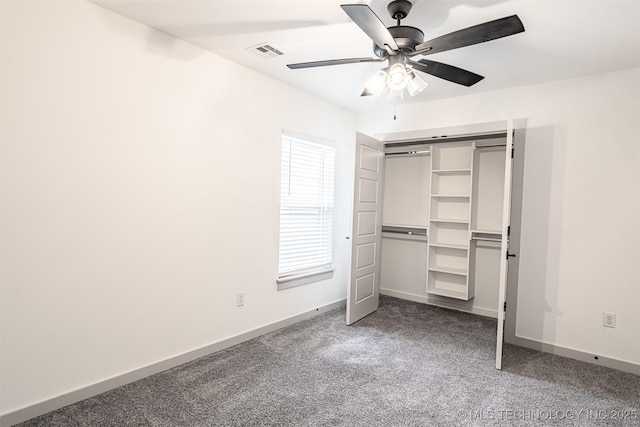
581, 214
140, 180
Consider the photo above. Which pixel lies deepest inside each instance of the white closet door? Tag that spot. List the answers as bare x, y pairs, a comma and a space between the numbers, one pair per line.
363, 293
504, 244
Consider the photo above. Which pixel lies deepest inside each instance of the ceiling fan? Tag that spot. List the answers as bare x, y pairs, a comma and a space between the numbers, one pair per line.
400, 43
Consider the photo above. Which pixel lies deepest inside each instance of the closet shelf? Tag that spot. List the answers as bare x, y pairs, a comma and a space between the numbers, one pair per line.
450, 270
450, 221
452, 196
492, 232
449, 246
401, 236
451, 171
448, 293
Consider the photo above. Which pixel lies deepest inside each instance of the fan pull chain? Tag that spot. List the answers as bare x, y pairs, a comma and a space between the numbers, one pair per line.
395, 105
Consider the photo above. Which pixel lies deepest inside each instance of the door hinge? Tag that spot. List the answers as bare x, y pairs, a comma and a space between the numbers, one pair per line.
504, 308
512, 151
510, 255
508, 231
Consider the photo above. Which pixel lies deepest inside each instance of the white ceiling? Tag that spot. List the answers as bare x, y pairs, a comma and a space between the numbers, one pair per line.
563, 39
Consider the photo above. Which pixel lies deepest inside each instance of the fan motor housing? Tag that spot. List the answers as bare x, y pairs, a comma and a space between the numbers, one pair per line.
407, 38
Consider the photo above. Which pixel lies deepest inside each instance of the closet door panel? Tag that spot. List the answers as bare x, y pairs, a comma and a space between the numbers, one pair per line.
363, 290
368, 191
504, 244
366, 255
365, 287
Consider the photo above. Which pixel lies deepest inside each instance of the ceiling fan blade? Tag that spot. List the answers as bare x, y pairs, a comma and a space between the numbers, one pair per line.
332, 62
447, 72
369, 22
480, 33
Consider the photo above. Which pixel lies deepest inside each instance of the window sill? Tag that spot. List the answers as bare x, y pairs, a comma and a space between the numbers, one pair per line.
287, 282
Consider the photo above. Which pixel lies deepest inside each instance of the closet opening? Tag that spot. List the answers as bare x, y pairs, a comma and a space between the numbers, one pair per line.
440, 226
452, 192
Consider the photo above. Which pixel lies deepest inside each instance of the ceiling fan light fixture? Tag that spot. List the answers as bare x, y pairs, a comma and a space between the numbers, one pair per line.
415, 84
398, 77
395, 94
377, 83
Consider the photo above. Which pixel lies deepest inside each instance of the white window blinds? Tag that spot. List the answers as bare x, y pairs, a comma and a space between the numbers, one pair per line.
306, 206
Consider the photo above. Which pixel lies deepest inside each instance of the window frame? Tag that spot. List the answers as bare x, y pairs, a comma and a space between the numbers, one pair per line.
322, 271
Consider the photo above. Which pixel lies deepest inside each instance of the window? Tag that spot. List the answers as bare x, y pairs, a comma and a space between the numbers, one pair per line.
306, 211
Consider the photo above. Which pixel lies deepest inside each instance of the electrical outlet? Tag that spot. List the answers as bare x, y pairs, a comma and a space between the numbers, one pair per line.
609, 320
240, 299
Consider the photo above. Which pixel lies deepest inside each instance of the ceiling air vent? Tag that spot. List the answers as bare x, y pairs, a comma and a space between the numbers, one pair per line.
264, 50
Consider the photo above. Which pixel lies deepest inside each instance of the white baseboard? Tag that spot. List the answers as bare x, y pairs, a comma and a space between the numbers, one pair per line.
57, 402
595, 359
440, 302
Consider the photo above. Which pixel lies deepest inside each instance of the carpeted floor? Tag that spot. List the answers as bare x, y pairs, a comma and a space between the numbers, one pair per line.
407, 364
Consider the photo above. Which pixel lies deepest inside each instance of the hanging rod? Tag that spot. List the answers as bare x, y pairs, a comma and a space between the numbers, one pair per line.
404, 230
404, 153
486, 239
445, 138
490, 146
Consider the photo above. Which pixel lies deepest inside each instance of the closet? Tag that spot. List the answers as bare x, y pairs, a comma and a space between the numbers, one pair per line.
432, 221
441, 223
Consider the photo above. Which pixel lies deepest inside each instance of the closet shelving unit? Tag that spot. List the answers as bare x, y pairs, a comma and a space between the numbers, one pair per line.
450, 221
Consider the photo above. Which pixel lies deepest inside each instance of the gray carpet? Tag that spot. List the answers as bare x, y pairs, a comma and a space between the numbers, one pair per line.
407, 364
